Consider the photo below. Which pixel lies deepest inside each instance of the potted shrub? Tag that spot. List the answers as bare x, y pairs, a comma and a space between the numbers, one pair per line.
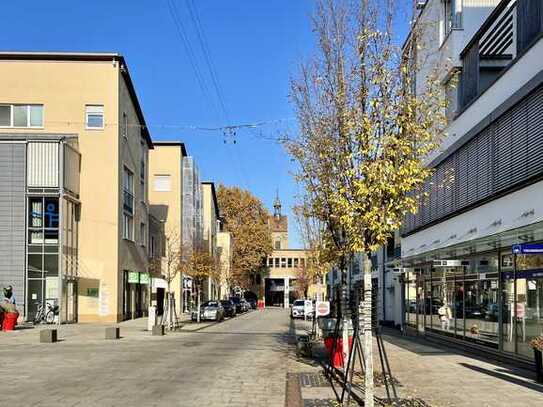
537, 345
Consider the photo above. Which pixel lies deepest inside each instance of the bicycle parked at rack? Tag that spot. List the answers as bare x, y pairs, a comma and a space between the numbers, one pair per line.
46, 313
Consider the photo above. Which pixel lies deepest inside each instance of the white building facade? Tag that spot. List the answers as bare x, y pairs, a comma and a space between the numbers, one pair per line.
462, 282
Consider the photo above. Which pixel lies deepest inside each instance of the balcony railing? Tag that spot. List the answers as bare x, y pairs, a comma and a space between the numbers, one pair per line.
508, 32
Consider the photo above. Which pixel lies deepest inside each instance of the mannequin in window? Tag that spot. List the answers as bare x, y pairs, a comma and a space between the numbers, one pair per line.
445, 315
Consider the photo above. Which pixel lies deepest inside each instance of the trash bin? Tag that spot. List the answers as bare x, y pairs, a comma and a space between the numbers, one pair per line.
10, 320
337, 355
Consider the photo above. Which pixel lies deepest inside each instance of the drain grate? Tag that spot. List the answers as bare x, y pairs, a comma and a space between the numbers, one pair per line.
313, 380
320, 403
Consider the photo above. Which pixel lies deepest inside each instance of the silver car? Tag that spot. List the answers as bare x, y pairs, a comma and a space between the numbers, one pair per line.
210, 310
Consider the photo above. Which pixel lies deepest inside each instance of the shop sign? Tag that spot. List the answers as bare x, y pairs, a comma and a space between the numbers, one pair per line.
447, 263
528, 248
144, 278
133, 277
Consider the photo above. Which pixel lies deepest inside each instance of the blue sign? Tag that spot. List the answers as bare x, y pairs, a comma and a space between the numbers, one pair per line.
528, 249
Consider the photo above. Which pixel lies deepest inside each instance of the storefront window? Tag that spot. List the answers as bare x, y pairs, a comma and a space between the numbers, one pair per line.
442, 306
481, 299
529, 304
43, 252
410, 299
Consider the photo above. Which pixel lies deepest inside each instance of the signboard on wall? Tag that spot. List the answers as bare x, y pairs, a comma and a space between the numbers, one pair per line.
527, 248
133, 277
144, 278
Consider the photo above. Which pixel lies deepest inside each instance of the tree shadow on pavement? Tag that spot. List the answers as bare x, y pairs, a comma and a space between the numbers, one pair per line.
503, 376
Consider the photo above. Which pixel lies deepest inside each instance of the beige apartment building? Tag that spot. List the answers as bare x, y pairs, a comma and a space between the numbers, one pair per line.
225, 250
166, 205
211, 227
74, 148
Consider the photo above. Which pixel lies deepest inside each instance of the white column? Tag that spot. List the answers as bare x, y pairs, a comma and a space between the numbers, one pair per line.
286, 292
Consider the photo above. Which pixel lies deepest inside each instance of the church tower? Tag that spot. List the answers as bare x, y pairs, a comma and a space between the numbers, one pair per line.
278, 224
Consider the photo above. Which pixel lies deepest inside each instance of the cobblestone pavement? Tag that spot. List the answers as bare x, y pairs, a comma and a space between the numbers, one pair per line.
239, 362
436, 375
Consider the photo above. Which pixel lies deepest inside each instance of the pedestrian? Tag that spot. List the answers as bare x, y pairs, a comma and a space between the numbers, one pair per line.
8, 295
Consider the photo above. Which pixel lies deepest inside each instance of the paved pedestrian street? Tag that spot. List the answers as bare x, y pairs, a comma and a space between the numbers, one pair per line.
238, 362
246, 361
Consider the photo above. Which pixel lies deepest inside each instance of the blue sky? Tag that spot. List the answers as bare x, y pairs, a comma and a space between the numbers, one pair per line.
254, 47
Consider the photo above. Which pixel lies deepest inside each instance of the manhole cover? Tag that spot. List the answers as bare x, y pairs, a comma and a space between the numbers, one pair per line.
313, 380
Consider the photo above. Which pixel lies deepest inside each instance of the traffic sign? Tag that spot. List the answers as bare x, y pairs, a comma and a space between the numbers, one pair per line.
322, 308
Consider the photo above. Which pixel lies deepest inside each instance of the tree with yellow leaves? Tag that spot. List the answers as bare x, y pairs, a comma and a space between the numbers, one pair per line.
364, 135
201, 265
246, 218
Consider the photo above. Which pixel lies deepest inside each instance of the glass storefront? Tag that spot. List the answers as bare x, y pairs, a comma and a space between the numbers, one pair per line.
480, 298
42, 253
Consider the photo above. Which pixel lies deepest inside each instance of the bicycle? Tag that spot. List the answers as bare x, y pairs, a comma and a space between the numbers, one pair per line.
45, 315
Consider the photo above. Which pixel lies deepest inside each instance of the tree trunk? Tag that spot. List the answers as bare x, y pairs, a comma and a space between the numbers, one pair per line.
366, 329
198, 305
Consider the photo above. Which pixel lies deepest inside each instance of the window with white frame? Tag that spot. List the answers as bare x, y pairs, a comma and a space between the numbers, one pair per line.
128, 226
125, 125
162, 183
142, 234
94, 116
128, 204
30, 116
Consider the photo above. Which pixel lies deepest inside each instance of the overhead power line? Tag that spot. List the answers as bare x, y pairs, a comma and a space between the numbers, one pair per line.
195, 17
182, 33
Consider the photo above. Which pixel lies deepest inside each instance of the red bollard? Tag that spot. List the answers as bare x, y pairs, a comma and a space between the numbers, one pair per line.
10, 320
337, 356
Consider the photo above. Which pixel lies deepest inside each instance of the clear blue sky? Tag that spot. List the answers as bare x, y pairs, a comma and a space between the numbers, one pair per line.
254, 46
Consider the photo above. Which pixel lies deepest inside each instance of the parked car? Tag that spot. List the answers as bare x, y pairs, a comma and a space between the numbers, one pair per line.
297, 309
210, 310
246, 304
252, 302
240, 307
229, 308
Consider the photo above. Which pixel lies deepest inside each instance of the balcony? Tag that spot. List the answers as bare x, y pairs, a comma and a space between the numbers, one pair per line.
510, 30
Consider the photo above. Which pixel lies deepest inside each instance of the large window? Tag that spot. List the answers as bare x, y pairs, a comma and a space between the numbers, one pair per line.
162, 183
128, 204
42, 252
94, 116
21, 116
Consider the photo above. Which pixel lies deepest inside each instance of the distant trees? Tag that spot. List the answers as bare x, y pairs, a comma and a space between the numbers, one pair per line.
246, 218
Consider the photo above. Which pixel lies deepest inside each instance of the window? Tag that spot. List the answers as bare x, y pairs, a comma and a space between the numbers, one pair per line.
128, 204
276, 262
152, 249
277, 245
125, 125
142, 234
127, 226
289, 262
21, 116
162, 183
143, 169
283, 262
94, 116
295, 263
142, 191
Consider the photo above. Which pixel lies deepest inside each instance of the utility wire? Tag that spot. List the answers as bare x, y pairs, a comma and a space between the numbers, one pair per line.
182, 33
195, 17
